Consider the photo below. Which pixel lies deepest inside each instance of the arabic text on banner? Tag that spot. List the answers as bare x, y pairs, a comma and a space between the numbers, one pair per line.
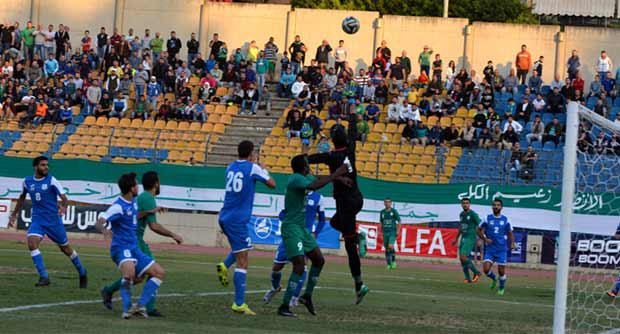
78, 218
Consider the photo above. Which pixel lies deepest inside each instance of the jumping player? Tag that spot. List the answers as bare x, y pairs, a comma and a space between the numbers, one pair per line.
124, 250
298, 241
469, 221
241, 177
44, 191
389, 219
314, 207
496, 232
147, 209
349, 200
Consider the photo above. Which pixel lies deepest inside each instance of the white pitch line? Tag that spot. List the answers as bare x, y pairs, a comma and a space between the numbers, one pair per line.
340, 273
611, 331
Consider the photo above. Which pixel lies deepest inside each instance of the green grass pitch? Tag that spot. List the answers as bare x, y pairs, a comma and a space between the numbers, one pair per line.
412, 299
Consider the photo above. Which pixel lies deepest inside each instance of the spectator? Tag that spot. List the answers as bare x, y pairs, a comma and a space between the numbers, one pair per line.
199, 110
51, 66
153, 91
157, 46
448, 106
381, 93
514, 163
105, 105
286, 82
584, 140
34, 73
372, 112
140, 109
553, 132
409, 133
119, 106
538, 65
361, 81
539, 105
451, 135
489, 72
498, 81
603, 65
608, 84
595, 86
510, 138
557, 82
271, 55
600, 109
173, 46
511, 82
537, 132
322, 53
523, 62
41, 113
421, 134
298, 86
450, 75
511, 123
340, 55
424, 59
362, 129
468, 136
93, 96
251, 95
555, 102
165, 111
577, 84
66, 113
529, 159
480, 118
303, 98
496, 136
297, 50
535, 82
485, 139
393, 112
323, 145
573, 65
488, 98
435, 135
601, 143
140, 80
316, 124
437, 67
338, 127
193, 45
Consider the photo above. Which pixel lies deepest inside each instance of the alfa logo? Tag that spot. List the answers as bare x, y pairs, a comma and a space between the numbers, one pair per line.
263, 227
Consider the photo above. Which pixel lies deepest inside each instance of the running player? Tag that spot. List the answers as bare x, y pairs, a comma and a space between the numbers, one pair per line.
496, 232
389, 219
241, 177
298, 241
469, 221
44, 191
349, 200
314, 207
147, 208
132, 262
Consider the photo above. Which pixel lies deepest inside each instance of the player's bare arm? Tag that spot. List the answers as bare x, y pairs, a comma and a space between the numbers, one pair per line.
456, 240
321, 181
64, 202
483, 236
100, 226
511, 239
161, 230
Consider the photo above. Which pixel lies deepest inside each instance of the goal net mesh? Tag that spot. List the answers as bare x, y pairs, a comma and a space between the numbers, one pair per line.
595, 253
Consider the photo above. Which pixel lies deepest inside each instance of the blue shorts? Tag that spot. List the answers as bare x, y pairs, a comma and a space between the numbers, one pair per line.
121, 255
280, 254
238, 236
56, 232
496, 256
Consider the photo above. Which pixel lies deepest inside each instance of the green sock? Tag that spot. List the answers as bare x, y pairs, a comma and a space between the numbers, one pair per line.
150, 306
472, 266
465, 266
112, 288
313, 278
290, 288
388, 257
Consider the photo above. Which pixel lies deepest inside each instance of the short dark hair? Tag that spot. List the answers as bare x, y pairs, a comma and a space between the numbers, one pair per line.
37, 160
126, 182
388, 199
499, 201
245, 148
465, 199
149, 179
298, 163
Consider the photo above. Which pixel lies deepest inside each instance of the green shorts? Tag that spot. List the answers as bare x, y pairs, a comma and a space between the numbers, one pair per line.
272, 65
144, 247
466, 246
298, 241
389, 239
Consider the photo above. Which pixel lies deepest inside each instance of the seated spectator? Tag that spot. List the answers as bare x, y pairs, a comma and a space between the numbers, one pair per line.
557, 82
496, 136
199, 111
488, 98
609, 85
372, 112
119, 106
423, 80
409, 132
302, 99
555, 102
316, 99
475, 97
511, 123
539, 106
538, 130
393, 112
485, 140
434, 87
601, 143
600, 109
435, 135
323, 145
106, 104
286, 82
40, 114
510, 137
511, 108
53, 113
362, 129
511, 83
264, 100
584, 140
451, 135
535, 82
614, 144
298, 86
251, 95
514, 164
595, 86
316, 124
498, 81
421, 134
66, 113
480, 118
579, 98
475, 78
435, 107
338, 127
359, 108
468, 136
493, 118
295, 125
448, 106
381, 93
140, 109
531, 96
339, 109
125, 85
165, 111
553, 132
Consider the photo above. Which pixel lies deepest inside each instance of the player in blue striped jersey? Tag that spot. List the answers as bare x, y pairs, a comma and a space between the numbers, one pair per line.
314, 208
132, 262
44, 191
496, 232
241, 178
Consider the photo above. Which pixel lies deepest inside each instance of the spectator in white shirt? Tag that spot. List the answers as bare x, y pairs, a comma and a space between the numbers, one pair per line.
539, 103
393, 111
408, 112
297, 86
516, 126
557, 82
603, 65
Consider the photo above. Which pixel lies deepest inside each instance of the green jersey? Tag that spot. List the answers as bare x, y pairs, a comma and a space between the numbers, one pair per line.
425, 58
146, 202
295, 199
156, 44
469, 223
388, 220
28, 37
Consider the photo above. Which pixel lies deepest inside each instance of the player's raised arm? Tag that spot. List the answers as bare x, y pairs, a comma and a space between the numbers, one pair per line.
113, 213
322, 181
18, 206
261, 174
100, 226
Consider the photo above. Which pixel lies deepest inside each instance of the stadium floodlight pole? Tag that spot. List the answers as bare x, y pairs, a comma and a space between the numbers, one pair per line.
446, 4
568, 193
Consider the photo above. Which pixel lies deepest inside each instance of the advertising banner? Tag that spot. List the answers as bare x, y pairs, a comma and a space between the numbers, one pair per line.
414, 240
519, 253
5, 212
78, 218
266, 231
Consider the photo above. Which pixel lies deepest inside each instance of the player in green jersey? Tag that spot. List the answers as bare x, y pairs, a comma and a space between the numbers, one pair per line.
147, 208
469, 221
389, 218
298, 241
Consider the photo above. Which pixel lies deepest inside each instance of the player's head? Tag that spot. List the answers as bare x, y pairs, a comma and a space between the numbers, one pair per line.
128, 184
497, 206
150, 181
339, 138
40, 165
245, 150
387, 202
465, 203
299, 164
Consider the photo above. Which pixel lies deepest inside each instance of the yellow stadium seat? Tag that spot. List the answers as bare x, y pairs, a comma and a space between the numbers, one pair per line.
194, 126
458, 122
78, 149
18, 146
431, 120
283, 162
407, 169
148, 124
221, 91
429, 150
270, 161
113, 122
395, 169
102, 121
378, 127
171, 125
451, 161
384, 167
136, 123
392, 128
206, 127
183, 126
89, 120
232, 110
456, 152
225, 119
101, 151
220, 109
446, 122
363, 156
219, 128
213, 118
277, 131
30, 147
199, 157
402, 158
270, 141
391, 148
124, 123
430, 179
374, 137
420, 170
160, 124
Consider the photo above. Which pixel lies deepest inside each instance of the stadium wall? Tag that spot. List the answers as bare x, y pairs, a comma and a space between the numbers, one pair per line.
590, 41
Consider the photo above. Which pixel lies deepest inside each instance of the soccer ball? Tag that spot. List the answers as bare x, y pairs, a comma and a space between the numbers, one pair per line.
350, 25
